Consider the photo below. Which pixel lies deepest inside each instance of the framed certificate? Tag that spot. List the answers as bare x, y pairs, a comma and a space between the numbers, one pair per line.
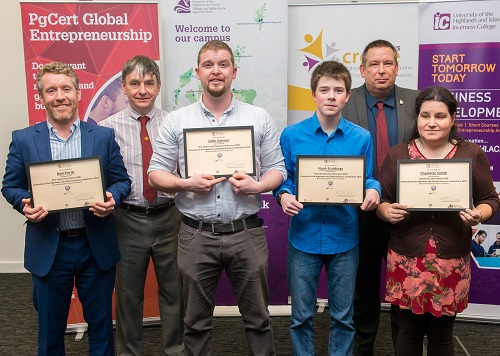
66, 184
219, 151
435, 184
330, 179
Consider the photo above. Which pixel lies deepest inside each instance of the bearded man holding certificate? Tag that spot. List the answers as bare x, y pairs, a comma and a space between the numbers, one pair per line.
220, 228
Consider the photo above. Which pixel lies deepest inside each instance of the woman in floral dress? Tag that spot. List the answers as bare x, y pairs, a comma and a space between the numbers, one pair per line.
428, 270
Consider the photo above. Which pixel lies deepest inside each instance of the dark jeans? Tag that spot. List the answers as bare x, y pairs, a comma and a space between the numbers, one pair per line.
304, 271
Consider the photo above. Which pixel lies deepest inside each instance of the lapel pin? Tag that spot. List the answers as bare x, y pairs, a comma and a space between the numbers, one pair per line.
400, 101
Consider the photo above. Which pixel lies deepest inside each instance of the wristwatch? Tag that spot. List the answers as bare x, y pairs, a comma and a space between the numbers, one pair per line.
278, 197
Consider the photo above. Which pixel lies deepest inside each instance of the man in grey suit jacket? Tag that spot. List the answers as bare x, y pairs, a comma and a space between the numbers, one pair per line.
379, 68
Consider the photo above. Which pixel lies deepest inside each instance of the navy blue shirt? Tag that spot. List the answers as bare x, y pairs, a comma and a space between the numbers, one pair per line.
477, 249
324, 229
493, 247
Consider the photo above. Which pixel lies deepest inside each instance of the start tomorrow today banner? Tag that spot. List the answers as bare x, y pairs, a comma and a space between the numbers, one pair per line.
460, 50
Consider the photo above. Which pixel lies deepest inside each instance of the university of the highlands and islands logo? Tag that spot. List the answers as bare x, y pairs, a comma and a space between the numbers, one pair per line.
442, 21
183, 7
317, 50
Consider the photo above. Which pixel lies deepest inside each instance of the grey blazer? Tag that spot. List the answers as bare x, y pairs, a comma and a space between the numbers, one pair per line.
355, 110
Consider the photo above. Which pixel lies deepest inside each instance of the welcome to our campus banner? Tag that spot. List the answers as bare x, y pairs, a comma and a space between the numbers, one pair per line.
255, 30
94, 38
460, 50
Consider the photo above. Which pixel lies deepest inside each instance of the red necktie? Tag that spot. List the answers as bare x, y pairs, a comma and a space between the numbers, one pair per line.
147, 151
382, 136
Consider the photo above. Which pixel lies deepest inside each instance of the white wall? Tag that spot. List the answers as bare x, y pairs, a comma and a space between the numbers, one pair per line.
14, 115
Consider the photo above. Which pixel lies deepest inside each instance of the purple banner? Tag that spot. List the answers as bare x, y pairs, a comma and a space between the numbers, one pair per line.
472, 72
460, 50
484, 288
460, 65
276, 227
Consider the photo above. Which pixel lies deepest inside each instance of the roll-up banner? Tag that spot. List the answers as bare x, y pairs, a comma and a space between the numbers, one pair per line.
257, 34
460, 49
96, 39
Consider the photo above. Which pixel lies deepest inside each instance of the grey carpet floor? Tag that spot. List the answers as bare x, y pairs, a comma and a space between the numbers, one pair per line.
18, 330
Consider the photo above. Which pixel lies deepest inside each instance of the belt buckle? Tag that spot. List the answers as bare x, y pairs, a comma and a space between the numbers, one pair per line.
72, 233
149, 209
212, 225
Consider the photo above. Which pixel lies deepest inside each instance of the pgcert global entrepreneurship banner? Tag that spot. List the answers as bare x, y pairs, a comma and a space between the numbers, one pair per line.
96, 39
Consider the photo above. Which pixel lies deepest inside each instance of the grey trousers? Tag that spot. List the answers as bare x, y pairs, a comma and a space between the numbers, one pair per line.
141, 238
202, 256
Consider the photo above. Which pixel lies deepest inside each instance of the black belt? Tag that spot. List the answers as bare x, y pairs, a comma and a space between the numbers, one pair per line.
148, 210
219, 228
73, 232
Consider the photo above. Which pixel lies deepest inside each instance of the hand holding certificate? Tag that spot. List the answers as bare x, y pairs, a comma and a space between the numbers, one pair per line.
435, 184
66, 184
219, 151
330, 179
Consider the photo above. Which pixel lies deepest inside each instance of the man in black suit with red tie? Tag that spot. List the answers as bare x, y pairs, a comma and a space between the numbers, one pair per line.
378, 98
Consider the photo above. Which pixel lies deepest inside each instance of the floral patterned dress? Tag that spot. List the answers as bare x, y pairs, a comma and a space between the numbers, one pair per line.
428, 284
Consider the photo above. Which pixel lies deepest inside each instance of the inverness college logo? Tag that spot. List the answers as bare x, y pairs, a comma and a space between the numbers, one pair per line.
183, 7
442, 21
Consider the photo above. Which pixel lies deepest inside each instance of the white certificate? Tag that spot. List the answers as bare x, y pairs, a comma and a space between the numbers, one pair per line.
435, 184
66, 184
219, 151
330, 179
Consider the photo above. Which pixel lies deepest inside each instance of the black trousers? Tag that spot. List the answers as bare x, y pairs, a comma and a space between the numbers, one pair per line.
374, 237
413, 327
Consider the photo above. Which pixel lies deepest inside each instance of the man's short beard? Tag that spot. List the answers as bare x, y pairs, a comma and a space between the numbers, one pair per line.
70, 118
215, 93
